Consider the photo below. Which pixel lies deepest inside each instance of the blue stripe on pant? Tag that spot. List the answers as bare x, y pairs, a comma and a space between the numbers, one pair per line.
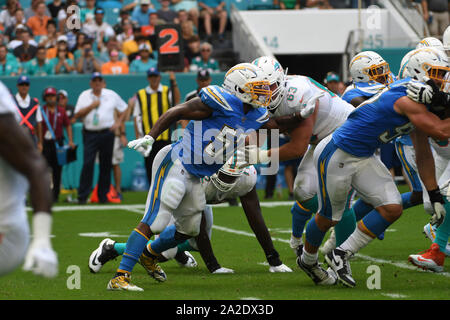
409, 170
326, 210
160, 176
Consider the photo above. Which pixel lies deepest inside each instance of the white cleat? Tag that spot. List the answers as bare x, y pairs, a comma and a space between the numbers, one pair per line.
223, 270
295, 242
104, 253
430, 232
330, 244
190, 263
280, 268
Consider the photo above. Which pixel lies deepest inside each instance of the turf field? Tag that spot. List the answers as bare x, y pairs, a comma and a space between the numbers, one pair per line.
78, 230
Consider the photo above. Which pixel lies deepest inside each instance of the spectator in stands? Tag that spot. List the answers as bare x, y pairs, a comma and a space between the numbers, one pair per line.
87, 62
436, 14
38, 22
288, 4
31, 11
66, 22
140, 15
189, 6
127, 31
51, 38
19, 22
333, 82
96, 107
131, 47
205, 61
17, 41
54, 7
63, 102
26, 51
149, 30
89, 8
114, 66
192, 48
183, 16
61, 41
98, 29
39, 66
210, 9
62, 63
112, 44
79, 44
187, 30
58, 121
166, 14
124, 15
7, 15
8, 66
143, 62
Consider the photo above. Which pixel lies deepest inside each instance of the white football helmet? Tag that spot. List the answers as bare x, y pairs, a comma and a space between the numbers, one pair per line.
430, 42
403, 72
226, 178
426, 62
276, 76
249, 83
446, 40
369, 66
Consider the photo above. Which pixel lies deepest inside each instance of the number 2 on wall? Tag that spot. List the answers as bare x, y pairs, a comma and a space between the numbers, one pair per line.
171, 45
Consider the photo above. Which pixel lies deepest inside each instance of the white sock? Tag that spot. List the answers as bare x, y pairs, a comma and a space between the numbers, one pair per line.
309, 258
356, 241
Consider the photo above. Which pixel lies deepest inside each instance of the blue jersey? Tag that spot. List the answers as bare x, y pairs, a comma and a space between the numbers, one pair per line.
208, 143
374, 122
363, 89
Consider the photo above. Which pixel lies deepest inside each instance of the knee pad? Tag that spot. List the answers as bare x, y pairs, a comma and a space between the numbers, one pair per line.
162, 219
303, 190
172, 193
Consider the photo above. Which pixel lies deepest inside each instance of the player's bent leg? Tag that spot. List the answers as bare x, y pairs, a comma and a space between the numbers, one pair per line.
13, 247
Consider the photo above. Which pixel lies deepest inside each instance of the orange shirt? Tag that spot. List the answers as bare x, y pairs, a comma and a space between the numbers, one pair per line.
118, 67
51, 53
38, 25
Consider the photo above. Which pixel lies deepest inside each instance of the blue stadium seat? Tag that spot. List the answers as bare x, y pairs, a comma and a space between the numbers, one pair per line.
261, 4
112, 15
25, 3
110, 4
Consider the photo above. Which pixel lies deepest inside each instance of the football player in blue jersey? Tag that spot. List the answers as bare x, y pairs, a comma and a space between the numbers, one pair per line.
346, 160
220, 118
370, 73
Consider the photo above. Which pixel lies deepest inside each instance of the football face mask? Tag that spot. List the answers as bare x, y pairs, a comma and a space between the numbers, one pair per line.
380, 73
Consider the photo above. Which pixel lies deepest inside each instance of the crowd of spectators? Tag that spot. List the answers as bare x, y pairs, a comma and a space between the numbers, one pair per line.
76, 36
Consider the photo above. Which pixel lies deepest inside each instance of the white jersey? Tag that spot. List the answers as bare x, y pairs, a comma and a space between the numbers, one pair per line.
244, 185
13, 185
332, 113
442, 148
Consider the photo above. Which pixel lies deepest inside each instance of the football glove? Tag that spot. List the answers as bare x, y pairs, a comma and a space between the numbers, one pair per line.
437, 204
420, 92
309, 106
142, 145
40, 258
251, 154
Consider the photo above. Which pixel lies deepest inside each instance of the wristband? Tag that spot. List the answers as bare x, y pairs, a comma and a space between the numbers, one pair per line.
42, 225
435, 196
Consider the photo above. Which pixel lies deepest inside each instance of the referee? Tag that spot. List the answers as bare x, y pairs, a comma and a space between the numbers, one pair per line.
150, 103
96, 108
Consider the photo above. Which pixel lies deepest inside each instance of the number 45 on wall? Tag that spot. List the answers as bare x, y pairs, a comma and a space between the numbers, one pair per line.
273, 42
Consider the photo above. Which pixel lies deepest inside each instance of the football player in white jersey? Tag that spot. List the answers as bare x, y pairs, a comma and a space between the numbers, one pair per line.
23, 167
229, 183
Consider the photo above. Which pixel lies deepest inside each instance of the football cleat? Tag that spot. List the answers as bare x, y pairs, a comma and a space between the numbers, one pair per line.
430, 232
222, 270
153, 269
330, 244
337, 259
280, 268
186, 260
431, 259
104, 253
295, 242
319, 275
122, 282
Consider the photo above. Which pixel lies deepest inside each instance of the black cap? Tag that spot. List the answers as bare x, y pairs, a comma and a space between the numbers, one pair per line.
203, 74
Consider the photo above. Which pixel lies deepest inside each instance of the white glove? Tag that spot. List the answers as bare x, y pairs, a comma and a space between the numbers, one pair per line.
438, 214
280, 268
40, 258
420, 92
142, 145
309, 106
251, 155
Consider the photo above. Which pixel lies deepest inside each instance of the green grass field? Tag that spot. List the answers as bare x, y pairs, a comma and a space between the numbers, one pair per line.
78, 230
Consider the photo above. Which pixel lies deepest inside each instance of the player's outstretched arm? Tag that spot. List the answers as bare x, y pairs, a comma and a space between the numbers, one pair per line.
252, 209
422, 119
18, 150
193, 109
